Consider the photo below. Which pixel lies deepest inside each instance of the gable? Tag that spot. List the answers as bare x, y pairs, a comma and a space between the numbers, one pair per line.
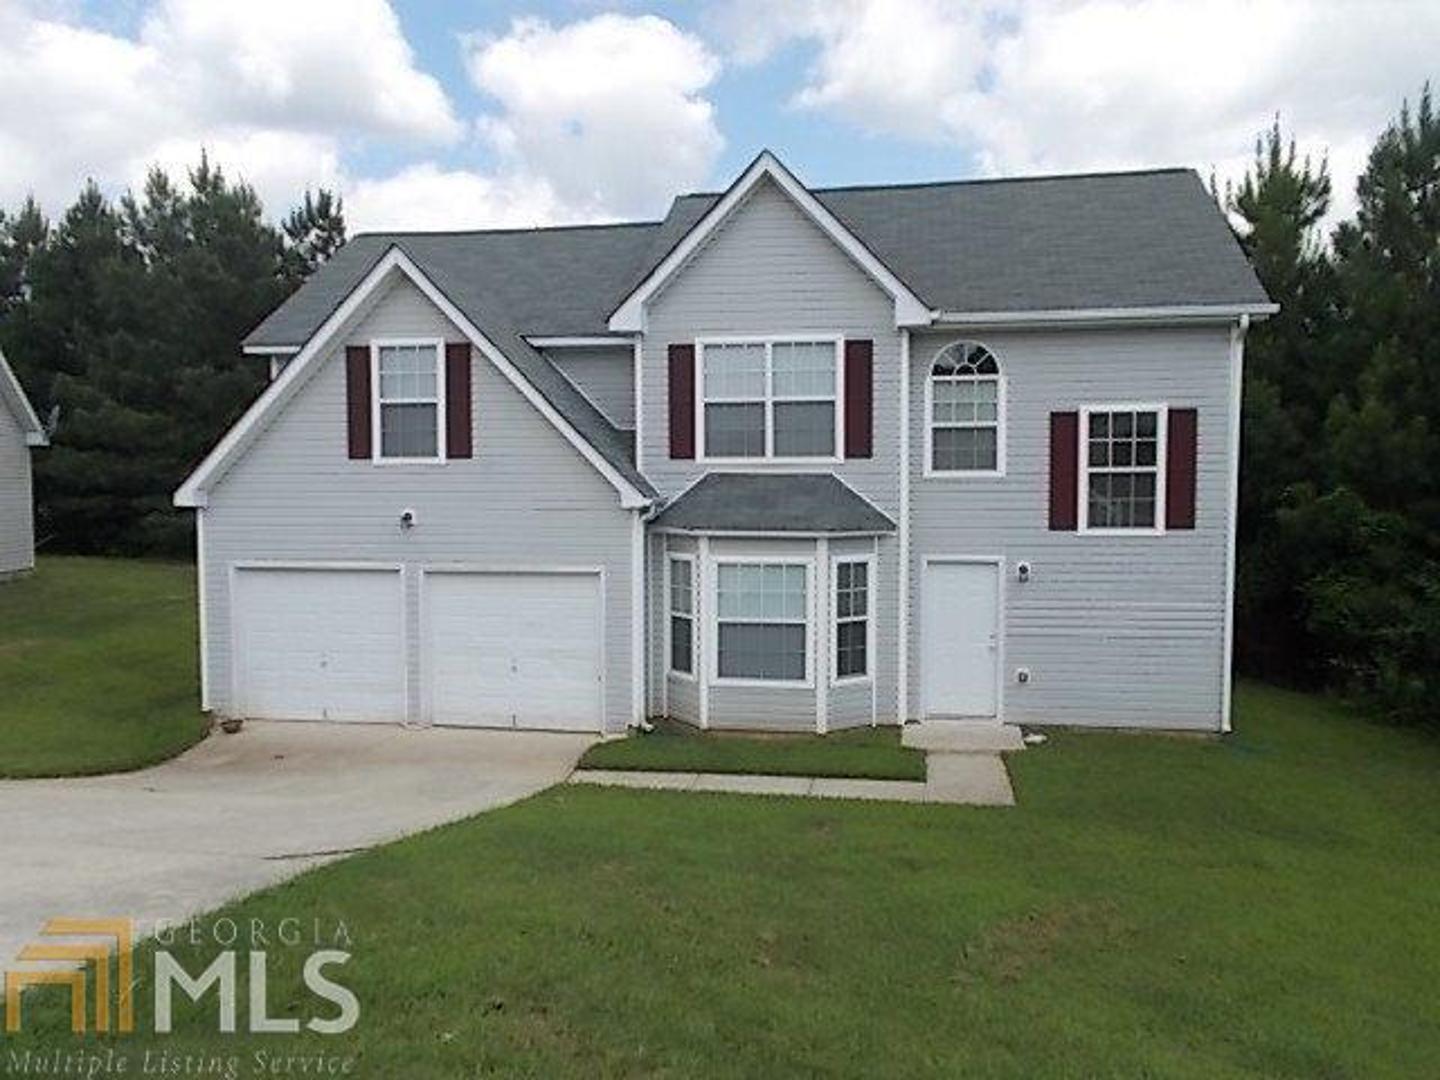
629, 315
300, 458
771, 266
537, 381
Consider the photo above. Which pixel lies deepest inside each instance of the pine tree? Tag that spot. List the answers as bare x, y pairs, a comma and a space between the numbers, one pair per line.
1280, 204
314, 231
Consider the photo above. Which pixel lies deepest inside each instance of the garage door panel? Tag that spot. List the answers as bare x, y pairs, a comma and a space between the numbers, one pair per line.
320, 644
513, 649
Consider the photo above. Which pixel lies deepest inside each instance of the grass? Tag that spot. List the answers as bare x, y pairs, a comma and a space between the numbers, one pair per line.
1262, 905
873, 753
98, 667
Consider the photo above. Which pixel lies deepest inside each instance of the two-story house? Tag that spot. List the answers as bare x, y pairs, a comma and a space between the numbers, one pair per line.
789, 459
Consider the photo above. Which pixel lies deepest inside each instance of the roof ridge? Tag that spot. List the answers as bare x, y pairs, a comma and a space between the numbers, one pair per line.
507, 231
976, 180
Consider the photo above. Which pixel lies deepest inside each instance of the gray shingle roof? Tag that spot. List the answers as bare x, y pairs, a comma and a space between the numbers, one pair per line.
773, 502
1110, 240
1116, 240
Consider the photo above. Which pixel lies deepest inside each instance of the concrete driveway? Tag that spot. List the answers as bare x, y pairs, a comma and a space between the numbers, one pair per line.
239, 812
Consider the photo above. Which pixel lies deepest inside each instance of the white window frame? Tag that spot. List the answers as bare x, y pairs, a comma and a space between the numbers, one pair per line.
836, 679
929, 470
671, 614
441, 419
1162, 425
770, 341
713, 620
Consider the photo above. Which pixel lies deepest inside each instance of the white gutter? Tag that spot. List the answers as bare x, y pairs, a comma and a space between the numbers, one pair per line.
615, 341
1070, 316
270, 350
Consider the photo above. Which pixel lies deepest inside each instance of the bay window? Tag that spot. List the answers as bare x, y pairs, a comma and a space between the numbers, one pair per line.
762, 621
770, 399
682, 615
852, 617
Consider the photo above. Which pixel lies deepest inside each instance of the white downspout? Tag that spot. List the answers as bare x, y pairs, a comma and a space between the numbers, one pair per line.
1232, 522
903, 537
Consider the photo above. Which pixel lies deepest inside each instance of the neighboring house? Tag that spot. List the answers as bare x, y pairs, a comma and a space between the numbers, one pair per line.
788, 460
20, 429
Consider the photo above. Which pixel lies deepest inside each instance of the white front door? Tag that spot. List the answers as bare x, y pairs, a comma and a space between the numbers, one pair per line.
320, 644
960, 638
514, 650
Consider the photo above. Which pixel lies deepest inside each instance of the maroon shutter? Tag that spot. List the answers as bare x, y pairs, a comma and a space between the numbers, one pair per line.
682, 401
357, 399
1180, 440
859, 392
457, 399
1064, 470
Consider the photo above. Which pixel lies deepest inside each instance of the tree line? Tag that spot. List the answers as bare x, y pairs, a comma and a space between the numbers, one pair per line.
123, 322
1339, 541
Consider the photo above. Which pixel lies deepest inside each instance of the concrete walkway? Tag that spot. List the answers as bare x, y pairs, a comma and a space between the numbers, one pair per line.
968, 779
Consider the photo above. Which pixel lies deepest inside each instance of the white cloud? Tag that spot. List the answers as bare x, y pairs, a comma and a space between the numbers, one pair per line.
608, 112
322, 65
1055, 85
272, 89
595, 119
425, 196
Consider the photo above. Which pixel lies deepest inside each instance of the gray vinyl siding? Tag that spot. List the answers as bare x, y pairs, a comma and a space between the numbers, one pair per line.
762, 708
526, 499
1116, 630
605, 375
769, 270
17, 526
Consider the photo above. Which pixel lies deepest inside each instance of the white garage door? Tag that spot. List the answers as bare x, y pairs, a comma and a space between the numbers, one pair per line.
513, 650
320, 644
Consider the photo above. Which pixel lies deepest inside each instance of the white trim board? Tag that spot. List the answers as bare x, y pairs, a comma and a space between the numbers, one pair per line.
629, 316
237, 440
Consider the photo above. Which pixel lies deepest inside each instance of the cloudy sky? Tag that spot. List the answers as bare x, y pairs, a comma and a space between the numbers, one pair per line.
434, 114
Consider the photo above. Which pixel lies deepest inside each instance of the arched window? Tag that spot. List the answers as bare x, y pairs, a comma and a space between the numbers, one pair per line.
965, 412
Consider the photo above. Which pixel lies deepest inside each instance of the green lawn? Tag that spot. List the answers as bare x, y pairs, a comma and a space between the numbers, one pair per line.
1259, 906
866, 752
97, 666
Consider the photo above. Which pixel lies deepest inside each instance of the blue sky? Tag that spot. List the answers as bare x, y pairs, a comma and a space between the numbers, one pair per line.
430, 114
751, 101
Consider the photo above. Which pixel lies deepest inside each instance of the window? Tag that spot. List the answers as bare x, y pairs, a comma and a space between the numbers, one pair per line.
682, 615
852, 618
762, 621
964, 405
1121, 450
408, 400
770, 399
